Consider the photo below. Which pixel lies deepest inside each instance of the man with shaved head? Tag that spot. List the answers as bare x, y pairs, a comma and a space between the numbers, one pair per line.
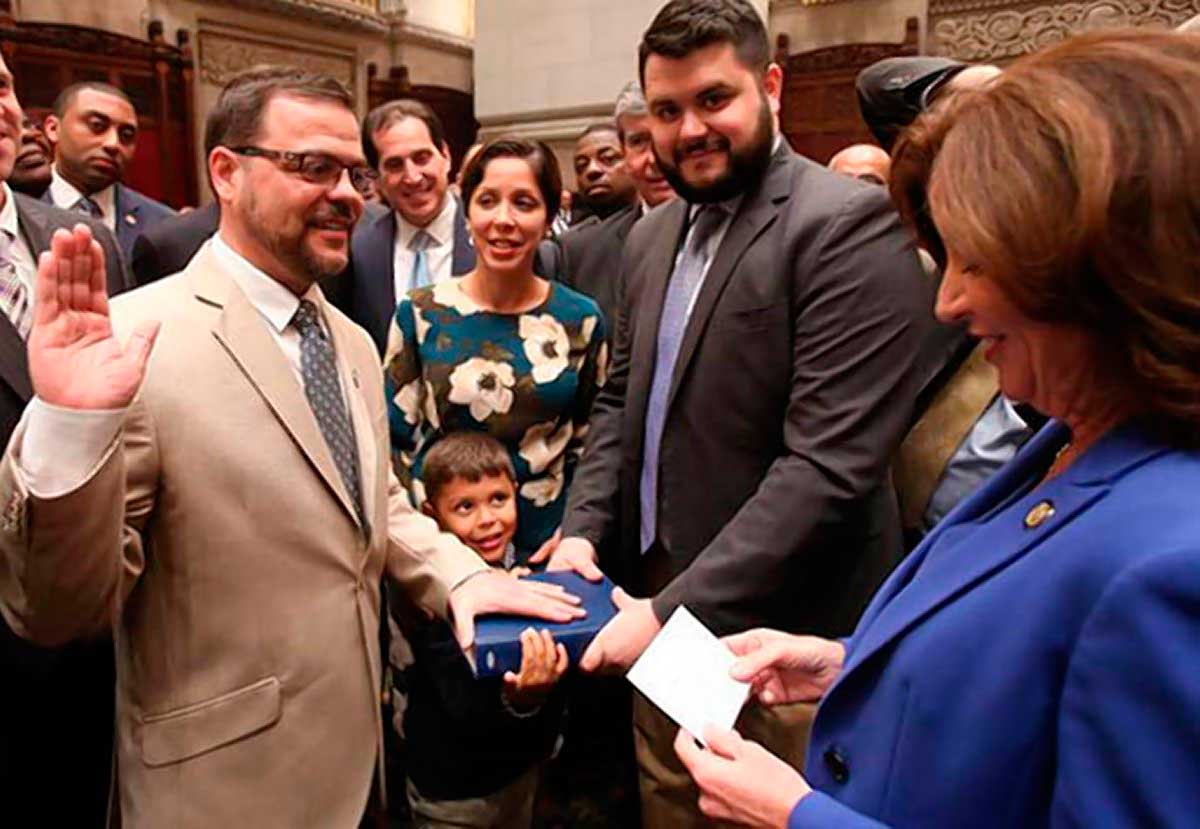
866, 162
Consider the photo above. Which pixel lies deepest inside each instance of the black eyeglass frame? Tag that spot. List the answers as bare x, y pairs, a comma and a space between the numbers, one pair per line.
362, 176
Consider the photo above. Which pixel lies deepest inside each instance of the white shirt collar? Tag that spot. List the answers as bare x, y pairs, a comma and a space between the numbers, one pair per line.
441, 228
64, 194
8, 214
272, 300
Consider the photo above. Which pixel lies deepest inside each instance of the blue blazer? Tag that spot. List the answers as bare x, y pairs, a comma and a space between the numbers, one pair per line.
1026, 669
135, 214
370, 296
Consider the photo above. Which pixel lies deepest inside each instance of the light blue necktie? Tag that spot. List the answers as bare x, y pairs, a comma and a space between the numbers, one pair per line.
689, 272
419, 244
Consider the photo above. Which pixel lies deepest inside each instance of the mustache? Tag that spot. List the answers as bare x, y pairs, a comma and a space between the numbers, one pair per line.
707, 143
333, 211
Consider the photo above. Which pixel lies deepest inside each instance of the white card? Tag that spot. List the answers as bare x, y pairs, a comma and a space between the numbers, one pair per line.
685, 672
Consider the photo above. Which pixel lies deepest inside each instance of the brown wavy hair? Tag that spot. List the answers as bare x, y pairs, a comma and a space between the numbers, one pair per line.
1073, 180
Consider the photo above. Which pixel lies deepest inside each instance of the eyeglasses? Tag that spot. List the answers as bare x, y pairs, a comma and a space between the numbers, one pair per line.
316, 168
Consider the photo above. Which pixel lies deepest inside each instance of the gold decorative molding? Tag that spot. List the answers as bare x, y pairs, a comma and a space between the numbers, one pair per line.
222, 54
995, 31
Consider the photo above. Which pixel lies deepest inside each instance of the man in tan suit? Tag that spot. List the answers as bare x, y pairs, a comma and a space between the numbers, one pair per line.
224, 502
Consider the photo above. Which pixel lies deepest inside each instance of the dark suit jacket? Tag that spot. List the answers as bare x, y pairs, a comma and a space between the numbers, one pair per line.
168, 246
794, 385
1029, 668
57, 703
366, 292
589, 258
135, 214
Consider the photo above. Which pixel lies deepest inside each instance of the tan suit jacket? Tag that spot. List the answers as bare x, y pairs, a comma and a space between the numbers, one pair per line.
218, 540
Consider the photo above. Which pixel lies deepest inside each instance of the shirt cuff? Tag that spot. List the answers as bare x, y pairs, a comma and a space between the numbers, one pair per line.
62, 446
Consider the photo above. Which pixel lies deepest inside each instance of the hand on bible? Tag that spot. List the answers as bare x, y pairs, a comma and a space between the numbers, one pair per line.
74, 359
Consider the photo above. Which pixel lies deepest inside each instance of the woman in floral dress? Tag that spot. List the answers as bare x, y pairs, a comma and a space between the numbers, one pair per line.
500, 349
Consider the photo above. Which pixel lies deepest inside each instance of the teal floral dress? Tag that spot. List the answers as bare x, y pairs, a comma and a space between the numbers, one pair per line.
527, 379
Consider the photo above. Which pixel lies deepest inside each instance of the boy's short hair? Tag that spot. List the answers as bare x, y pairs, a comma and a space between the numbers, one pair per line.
468, 454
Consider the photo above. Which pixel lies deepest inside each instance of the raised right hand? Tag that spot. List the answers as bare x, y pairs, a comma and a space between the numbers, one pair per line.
74, 359
576, 554
784, 668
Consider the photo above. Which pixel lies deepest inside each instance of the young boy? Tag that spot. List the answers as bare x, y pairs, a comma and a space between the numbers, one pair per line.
475, 746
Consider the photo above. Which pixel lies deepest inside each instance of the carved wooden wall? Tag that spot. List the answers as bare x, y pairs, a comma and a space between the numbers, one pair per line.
455, 109
820, 108
44, 58
999, 31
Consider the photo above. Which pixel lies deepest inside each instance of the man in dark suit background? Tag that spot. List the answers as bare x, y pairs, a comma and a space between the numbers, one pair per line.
423, 238
93, 128
602, 183
56, 705
764, 373
167, 247
588, 257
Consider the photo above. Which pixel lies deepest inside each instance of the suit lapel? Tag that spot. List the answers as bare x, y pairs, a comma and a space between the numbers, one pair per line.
364, 434
463, 259
14, 360
381, 278
244, 335
757, 212
938, 580
125, 219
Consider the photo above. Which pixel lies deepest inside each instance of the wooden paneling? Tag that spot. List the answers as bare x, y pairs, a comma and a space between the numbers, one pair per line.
820, 108
44, 58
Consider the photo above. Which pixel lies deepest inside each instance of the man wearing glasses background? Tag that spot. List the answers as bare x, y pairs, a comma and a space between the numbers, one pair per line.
226, 504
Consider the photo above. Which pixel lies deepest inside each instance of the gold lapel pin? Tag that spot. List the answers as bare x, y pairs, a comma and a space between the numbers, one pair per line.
1039, 514
130, 219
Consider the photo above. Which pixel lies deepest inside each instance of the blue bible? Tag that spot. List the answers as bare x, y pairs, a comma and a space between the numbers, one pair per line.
498, 637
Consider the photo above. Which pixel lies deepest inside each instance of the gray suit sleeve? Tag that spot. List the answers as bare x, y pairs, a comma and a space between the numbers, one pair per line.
858, 321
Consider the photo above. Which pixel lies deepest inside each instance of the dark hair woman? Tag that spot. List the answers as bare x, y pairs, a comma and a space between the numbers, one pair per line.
501, 349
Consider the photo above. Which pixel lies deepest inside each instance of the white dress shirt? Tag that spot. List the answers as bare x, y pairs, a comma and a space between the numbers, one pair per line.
65, 195
62, 446
22, 257
439, 256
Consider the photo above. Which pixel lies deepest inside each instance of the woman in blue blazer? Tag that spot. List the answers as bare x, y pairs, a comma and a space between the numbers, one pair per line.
1036, 661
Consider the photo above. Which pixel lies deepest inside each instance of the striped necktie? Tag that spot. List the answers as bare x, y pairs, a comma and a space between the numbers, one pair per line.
14, 295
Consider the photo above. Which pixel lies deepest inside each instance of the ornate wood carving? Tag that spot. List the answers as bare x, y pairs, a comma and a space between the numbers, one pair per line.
224, 55
996, 31
820, 107
343, 14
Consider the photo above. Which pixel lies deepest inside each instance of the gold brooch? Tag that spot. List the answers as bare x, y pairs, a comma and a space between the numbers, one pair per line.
1038, 515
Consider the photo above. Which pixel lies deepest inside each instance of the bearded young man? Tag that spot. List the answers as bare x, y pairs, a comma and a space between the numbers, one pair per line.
770, 320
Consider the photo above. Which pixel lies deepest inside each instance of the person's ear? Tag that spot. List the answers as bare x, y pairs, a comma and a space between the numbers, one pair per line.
773, 87
428, 509
50, 127
225, 172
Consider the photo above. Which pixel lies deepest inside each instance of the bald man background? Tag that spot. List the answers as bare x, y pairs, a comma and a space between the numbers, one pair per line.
863, 161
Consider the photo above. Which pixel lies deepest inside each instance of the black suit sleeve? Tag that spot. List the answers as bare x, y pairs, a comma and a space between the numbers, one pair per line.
858, 318
114, 260
145, 262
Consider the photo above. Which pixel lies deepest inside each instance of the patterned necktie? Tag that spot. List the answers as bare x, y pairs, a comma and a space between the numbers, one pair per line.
681, 290
324, 393
88, 207
419, 244
14, 295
